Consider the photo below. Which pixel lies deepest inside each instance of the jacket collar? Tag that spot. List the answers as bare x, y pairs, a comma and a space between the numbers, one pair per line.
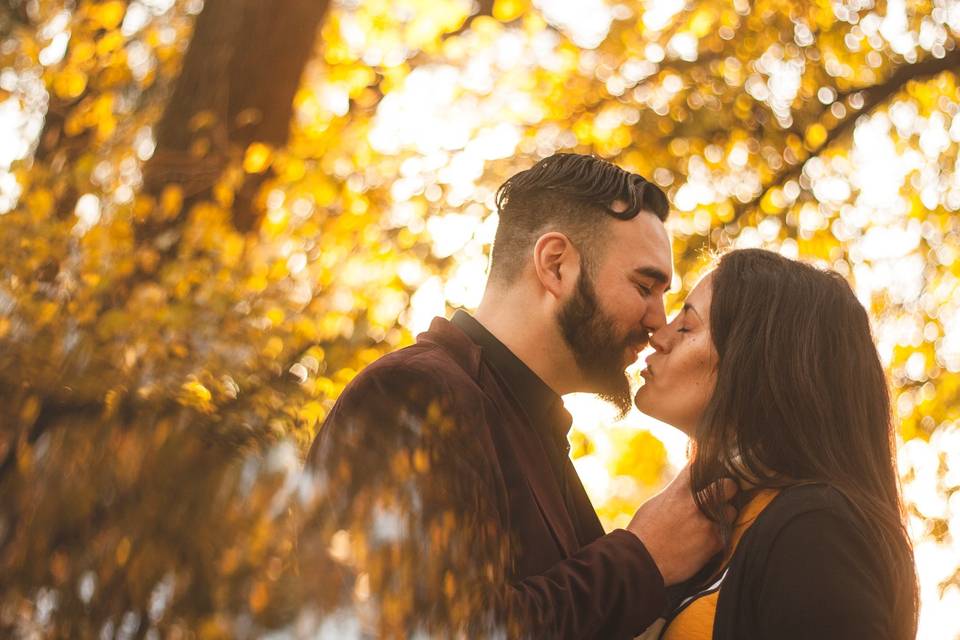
545, 485
453, 340
543, 406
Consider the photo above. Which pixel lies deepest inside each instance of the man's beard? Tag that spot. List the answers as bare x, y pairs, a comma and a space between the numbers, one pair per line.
597, 349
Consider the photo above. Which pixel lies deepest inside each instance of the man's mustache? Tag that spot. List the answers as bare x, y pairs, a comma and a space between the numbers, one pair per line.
641, 338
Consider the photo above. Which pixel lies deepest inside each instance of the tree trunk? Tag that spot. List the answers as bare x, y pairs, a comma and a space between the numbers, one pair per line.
239, 77
237, 84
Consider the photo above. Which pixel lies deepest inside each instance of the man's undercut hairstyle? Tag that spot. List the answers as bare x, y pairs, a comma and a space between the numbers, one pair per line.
569, 193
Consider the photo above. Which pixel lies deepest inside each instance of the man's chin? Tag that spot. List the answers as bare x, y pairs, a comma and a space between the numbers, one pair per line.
619, 396
623, 407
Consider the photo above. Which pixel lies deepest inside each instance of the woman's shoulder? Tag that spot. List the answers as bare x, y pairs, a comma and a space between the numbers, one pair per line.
799, 500
805, 569
812, 515
805, 556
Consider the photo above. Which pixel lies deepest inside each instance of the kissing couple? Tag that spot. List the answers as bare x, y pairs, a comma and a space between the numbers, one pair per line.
444, 469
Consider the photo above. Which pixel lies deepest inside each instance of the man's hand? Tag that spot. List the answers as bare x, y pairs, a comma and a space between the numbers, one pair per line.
676, 534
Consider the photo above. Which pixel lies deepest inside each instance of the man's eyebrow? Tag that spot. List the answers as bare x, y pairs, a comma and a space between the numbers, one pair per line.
689, 307
652, 272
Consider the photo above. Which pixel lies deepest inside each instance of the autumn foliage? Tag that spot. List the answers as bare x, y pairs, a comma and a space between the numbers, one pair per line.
213, 214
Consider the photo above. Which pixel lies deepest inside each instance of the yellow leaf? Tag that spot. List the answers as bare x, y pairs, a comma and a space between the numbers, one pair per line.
259, 597
725, 211
816, 135
108, 15
580, 444
769, 203
274, 347
231, 249
214, 628
421, 461
640, 455
30, 410
486, 28
198, 390
47, 312
202, 120
258, 282
194, 394
276, 316
81, 51
171, 201
702, 22
312, 413
110, 42
40, 203
102, 111
123, 551
257, 158
230, 561
507, 10
69, 83
147, 259
449, 585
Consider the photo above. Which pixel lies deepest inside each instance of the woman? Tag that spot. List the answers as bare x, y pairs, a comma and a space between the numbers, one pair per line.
771, 370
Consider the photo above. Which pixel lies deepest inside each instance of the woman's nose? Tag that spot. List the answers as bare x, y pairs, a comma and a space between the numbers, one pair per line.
658, 340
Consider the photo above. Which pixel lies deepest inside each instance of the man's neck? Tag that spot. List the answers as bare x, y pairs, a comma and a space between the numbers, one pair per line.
535, 340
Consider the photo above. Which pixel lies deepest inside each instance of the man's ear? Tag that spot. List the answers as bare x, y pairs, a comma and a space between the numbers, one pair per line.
556, 262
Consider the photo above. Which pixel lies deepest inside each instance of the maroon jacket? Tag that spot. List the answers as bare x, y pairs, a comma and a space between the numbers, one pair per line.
436, 419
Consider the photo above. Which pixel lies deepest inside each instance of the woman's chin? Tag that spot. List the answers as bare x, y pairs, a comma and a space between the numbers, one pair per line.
641, 400
644, 406
638, 399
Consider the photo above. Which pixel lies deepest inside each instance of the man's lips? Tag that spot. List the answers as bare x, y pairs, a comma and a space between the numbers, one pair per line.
635, 349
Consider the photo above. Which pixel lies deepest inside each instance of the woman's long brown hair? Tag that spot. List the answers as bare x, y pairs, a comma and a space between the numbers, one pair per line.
801, 397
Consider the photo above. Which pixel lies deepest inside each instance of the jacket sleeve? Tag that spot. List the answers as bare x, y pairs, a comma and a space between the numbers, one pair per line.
611, 588
821, 582
395, 443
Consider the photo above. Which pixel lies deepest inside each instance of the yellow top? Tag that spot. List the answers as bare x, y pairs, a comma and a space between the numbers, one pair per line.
695, 620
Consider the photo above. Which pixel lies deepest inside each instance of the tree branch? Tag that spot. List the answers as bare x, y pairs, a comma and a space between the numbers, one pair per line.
485, 8
676, 66
873, 97
51, 412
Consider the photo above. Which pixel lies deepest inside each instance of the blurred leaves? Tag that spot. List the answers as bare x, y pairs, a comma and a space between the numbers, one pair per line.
184, 294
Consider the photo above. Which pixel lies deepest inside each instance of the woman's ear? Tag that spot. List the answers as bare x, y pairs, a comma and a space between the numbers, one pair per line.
556, 262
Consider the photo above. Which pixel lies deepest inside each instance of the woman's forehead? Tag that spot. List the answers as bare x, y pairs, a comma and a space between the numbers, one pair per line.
701, 294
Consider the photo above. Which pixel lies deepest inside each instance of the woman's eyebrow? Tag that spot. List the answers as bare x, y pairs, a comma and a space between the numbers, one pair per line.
689, 307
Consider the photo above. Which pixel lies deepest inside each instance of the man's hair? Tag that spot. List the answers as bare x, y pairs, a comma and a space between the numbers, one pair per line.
569, 193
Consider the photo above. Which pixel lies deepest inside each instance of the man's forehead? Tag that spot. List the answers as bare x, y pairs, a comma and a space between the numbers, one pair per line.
646, 243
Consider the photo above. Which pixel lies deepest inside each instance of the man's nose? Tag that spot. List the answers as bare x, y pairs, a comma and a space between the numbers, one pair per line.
656, 317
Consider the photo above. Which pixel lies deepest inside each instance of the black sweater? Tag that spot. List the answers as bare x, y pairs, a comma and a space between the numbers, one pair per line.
804, 570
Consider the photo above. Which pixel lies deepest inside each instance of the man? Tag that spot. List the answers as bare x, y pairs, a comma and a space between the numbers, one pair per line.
450, 457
